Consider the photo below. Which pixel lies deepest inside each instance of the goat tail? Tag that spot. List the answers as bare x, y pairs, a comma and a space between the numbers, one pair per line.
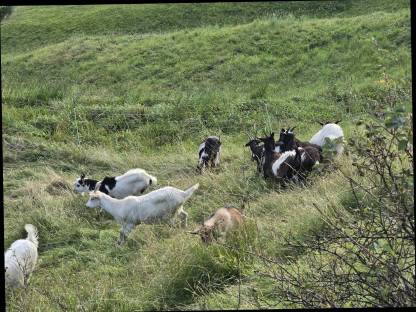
32, 233
189, 191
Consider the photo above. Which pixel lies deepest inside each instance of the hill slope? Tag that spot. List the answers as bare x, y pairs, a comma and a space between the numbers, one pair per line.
102, 89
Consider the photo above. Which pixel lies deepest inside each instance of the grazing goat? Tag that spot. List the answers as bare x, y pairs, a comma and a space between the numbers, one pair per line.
133, 182
209, 152
161, 204
20, 259
220, 222
283, 165
331, 131
82, 185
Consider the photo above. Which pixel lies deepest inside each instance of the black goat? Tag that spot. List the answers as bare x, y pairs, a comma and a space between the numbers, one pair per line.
257, 152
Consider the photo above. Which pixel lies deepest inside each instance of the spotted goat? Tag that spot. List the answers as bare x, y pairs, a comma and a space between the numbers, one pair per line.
209, 152
133, 182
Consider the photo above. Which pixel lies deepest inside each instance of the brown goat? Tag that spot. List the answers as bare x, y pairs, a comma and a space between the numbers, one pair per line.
220, 222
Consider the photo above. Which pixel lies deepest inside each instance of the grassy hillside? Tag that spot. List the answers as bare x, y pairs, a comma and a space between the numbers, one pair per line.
102, 89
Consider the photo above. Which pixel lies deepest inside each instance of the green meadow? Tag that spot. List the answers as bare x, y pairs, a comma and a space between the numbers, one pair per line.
102, 89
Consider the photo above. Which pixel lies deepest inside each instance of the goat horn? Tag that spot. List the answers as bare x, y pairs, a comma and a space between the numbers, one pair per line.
320, 122
336, 122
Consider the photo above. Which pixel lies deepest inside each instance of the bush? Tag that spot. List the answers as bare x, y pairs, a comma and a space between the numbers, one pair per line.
368, 256
5, 11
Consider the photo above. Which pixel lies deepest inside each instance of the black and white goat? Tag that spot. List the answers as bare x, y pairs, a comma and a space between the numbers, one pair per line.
310, 153
209, 152
133, 182
283, 165
82, 185
298, 143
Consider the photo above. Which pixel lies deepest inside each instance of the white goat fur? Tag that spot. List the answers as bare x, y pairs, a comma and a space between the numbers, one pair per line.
331, 131
130, 183
161, 204
20, 259
276, 150
276, 165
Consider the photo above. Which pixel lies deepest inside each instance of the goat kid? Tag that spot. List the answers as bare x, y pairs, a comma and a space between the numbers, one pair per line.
158, 205
209, 152
221, 222
82, 185
20, 259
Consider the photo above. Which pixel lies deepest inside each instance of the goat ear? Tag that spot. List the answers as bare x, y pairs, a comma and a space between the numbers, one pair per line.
272, 134
82, 176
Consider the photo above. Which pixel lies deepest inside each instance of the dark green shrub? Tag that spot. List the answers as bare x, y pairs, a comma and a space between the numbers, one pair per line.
5, 11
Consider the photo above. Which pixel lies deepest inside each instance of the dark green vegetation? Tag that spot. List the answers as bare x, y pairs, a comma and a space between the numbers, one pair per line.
103, 89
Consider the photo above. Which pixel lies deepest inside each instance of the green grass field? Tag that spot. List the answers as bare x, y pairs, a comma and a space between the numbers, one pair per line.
103, 89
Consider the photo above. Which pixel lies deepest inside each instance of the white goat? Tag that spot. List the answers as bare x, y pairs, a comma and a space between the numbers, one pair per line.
331, 131
161, 204
20, 259
133, 182
220, 222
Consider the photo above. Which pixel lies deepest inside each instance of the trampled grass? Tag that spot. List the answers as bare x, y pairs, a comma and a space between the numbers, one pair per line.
103, 89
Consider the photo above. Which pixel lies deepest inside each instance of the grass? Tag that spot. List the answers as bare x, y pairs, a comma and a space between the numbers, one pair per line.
108, 88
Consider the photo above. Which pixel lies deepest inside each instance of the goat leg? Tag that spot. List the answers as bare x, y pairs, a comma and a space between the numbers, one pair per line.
184, 217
